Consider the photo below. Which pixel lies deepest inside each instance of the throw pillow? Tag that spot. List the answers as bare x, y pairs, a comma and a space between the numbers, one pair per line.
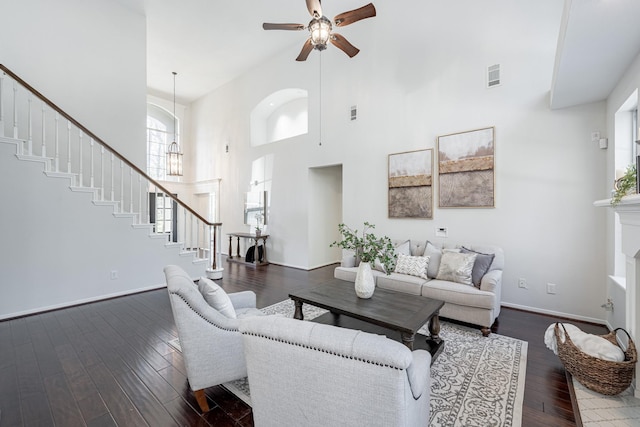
480, 267
412, 265
456, 267
434, 253
401, 248
216, 297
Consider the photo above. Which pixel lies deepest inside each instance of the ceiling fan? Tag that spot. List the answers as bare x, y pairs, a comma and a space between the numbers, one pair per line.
320, 28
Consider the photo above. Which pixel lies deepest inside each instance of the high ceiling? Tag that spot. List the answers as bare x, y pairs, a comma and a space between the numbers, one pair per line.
210, 42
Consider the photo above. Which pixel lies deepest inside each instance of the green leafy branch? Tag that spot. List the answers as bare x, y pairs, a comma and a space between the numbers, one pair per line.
367, 246
624, 185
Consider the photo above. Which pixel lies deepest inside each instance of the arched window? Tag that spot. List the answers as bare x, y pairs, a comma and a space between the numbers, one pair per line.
281, 115
159, 136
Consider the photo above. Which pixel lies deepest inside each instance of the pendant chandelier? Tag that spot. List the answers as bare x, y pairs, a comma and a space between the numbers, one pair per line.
174, 156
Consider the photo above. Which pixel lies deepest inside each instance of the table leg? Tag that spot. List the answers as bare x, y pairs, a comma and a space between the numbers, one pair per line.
238, 247
408, 339
264, 250
230, 247
256, 259
298, 313
434, 327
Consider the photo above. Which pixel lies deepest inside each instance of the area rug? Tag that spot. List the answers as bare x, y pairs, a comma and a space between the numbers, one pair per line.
475, 381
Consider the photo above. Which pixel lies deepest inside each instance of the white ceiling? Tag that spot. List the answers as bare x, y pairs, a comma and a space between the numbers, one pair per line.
210, 42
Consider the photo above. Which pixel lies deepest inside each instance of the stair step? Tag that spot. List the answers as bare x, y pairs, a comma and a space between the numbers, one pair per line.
106, 203
125, 215
143, 226
172, 244
38, 159
84, 189
17, 142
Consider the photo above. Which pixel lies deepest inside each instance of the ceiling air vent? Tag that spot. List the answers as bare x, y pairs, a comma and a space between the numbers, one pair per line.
493, 75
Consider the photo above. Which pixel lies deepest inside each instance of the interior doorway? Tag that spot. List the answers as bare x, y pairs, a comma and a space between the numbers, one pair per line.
325, 213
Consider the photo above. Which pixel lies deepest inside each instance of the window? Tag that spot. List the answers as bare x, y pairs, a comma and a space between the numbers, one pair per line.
162, 211
159, 136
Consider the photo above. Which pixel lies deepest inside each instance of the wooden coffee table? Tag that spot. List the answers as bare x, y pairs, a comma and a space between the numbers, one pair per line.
395, 314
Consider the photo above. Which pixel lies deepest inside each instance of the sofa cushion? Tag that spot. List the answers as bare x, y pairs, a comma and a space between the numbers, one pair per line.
216, 297
401, 283
412, 265
456, 267
457, 293
480, 266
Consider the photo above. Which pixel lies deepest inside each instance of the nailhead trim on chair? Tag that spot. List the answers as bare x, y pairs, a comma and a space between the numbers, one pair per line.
322, 350
201, 316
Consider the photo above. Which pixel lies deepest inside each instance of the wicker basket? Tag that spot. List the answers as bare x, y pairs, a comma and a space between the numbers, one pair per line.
599, 375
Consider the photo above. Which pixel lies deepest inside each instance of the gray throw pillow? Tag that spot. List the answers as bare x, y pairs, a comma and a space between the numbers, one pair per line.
434, 253
216, 297
481, 266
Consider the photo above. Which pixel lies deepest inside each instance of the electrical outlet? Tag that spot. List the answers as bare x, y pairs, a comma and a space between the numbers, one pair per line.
114, 274
551, 288
595, 136
522, 283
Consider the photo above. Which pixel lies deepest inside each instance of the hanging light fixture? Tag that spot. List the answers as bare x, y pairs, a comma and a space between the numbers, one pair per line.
174, 156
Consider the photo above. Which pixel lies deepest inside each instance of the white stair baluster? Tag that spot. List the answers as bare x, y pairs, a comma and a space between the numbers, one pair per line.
56, 162
121, 186
68, 146
113, 196
184, 230
140, 213
43, 151
102, 173
130, 190
81, 171
1, 105
92, 165
30, 126
15, 112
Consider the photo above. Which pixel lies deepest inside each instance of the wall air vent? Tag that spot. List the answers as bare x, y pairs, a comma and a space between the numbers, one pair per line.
493, 75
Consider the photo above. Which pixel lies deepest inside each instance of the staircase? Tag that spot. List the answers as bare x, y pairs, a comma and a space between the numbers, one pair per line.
44, 138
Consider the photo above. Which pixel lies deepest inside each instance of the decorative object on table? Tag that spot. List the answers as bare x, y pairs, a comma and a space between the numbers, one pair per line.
625, 184
466, 169
411, 184
368, 248
259, 218
604, 376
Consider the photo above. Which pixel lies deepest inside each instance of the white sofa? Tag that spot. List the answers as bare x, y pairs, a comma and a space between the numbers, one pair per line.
466, 303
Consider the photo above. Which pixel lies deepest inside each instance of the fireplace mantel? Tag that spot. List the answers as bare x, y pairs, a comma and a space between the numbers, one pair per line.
629, 212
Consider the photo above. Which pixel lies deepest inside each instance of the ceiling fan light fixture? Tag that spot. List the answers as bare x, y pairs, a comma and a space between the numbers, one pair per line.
320, 29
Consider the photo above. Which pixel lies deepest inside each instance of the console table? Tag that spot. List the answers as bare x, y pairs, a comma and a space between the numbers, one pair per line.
240, 259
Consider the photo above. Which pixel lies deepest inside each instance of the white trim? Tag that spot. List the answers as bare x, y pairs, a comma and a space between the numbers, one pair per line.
80, 302
553, 313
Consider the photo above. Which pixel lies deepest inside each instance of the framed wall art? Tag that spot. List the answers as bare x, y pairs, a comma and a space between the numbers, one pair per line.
466, 169
411, 184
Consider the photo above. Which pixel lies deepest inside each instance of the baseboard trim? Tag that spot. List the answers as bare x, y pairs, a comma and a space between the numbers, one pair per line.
555, 313
75, 303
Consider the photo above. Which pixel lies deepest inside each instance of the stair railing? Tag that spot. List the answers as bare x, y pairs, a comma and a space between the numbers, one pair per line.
46, 133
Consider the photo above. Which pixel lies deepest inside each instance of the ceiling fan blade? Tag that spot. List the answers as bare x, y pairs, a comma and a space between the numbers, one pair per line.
314, 8
355, 15
291, 27
341, 43
306, 50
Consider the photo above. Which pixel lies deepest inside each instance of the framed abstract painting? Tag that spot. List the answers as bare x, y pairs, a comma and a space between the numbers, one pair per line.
466, 169
411, 184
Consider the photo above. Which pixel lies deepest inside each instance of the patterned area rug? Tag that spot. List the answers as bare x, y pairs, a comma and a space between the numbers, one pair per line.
475, 381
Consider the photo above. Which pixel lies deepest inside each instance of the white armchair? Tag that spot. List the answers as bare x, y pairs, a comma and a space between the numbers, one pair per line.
211, 343
309, 374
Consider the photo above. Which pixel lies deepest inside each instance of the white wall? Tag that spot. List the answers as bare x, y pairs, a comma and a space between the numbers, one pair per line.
548, 172
87, 57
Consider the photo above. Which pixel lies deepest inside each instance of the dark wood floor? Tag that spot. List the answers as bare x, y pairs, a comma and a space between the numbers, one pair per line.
108, 363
